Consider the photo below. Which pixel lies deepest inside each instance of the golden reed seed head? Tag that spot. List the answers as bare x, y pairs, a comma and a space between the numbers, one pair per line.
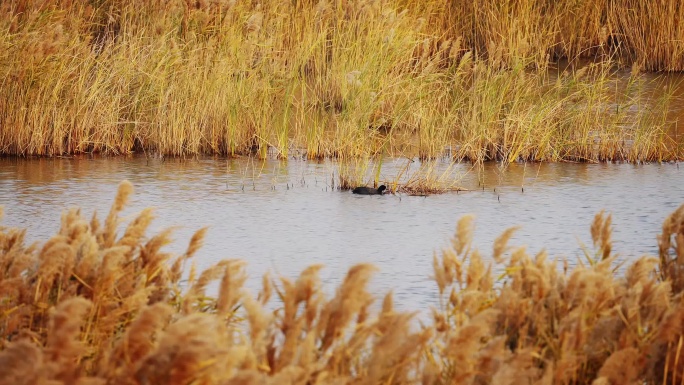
122, 195
500, 244
196, 242
464, 233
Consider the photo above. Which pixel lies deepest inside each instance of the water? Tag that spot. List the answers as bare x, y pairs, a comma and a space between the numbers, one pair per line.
283, 216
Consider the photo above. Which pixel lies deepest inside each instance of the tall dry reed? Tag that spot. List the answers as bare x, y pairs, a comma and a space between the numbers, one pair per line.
347, 79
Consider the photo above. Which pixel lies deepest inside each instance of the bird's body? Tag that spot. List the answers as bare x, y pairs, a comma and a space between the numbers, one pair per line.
369, 190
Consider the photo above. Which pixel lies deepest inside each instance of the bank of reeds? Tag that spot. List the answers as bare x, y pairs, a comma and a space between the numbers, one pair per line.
347, 79
95, 305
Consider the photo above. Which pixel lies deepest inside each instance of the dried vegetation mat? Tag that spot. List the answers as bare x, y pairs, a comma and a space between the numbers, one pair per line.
94, 306
428, 178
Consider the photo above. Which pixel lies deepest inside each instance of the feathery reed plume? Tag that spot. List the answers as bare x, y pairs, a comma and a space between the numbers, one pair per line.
461, 343
64, 347
22, 363
622, 367
266, 289
136, 230
601, 234
394, 349
464, 234
231, 283
350, 298
196, 291
190, 349
670, 264
259, 323
195, 244
500, 243
137, 341
122, 195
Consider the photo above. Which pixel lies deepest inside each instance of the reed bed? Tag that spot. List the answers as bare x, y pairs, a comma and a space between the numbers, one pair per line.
100, 303
345, 79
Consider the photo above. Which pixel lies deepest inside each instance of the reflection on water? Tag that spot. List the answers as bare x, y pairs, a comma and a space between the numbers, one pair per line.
284, 216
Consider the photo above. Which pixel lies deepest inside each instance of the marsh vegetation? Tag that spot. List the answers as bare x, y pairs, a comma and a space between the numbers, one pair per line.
342, 79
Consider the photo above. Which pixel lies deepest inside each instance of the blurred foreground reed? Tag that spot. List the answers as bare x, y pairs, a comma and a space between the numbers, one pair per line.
95, 306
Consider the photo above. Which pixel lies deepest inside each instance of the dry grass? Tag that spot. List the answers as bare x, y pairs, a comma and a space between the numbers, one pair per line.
652, 37
429, 177
91, 306
347, 79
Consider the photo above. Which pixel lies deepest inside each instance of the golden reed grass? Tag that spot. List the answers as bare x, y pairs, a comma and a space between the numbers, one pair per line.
93, 306
347, 78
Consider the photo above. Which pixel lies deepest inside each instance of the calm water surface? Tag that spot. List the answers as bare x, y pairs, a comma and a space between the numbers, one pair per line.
283, 216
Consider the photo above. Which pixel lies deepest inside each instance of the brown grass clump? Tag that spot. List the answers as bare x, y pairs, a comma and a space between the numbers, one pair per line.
427, 180
91, 306
430, 177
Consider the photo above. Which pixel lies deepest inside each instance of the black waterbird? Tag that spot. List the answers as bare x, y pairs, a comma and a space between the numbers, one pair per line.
369, 190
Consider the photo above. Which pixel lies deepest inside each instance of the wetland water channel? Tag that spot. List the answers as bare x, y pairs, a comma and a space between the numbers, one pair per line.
284, 216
